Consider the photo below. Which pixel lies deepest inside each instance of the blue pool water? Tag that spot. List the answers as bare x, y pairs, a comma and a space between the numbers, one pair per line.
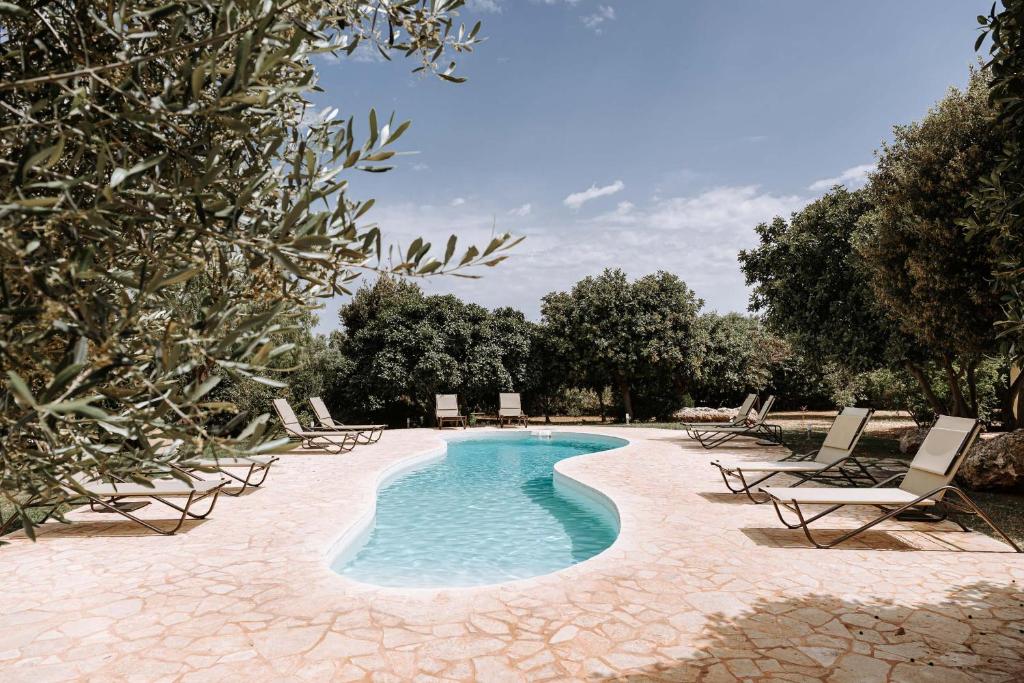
488, 512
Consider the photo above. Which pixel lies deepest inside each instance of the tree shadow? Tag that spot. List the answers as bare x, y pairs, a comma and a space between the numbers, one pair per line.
975, 633
101, 528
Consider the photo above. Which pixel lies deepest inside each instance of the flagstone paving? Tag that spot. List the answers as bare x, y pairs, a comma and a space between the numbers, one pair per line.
700, 585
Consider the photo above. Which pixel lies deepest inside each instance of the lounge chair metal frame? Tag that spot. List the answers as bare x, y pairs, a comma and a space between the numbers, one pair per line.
712, 437
750, 404
510, 410
932, 498
247, 481
830, 470
321, 439
446, 409
364, 434
110, 503
966, 505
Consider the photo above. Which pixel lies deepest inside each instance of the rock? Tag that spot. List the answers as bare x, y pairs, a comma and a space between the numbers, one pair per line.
995, 464
911, 440
704, 414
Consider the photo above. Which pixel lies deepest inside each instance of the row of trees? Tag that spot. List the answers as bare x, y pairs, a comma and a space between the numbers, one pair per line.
607, 346
893, 276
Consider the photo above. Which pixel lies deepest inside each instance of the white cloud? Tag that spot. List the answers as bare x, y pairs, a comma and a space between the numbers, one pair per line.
595, 20
484, 6
420, 166
458, 201
695, 235
522, 211
718, 212
578, 199
852, 178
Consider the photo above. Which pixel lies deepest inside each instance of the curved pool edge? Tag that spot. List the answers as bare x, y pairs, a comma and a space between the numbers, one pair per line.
352, 539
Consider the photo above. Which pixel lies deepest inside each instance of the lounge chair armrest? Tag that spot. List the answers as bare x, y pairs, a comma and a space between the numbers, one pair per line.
802, 456
889, 480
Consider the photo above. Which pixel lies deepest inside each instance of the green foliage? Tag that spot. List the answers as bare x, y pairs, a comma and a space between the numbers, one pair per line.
813, 288
169, 205
998, 219
643, 338
926, 273
811, 285
740, 356
402, 347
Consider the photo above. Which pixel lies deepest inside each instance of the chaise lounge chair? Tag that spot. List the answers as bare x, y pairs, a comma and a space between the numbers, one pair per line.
330, 441
829, 460
742, 413
510, 409
924, 487
447, 410
254, 465
363, 433
110, 496
755, 426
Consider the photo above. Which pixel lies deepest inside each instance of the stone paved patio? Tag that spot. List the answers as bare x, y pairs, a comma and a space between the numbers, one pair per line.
700, 585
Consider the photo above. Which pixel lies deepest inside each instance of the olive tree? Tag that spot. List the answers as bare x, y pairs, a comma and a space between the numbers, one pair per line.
145, 145
927, 275
997, 202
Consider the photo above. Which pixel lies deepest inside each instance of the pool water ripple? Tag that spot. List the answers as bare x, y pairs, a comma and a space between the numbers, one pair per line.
489, 511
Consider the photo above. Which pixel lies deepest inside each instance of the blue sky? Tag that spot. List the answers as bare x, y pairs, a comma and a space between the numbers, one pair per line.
645, 134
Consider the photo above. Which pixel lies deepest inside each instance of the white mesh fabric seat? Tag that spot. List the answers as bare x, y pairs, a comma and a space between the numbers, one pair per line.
925, 485
831, 495
836, 450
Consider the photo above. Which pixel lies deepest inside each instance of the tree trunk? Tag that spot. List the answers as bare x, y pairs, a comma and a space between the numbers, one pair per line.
926, 387
627, 397
972, 388
959, 408
600, 402
1015, 401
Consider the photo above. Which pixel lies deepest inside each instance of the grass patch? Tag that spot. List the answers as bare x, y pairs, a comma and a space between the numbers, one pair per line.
35, 514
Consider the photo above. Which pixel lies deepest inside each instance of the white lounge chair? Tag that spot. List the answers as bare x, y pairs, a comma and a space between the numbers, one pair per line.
254, 465
923, 490
510, 409
829, 460
110, 495
330, 441
755, 426
363, 433
742, 413
446, 410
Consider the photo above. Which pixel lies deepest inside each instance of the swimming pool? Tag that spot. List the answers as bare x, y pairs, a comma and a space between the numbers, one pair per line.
489, 511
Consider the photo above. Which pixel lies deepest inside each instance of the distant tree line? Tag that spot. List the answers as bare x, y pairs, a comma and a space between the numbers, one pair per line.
609, 347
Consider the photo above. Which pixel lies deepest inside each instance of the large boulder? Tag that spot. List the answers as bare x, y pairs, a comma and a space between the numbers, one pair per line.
911, 440
702, 414
995, 464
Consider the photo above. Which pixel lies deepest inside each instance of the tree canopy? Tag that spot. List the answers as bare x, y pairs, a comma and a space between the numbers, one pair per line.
998, 219
641, 337
160, 152
808, 281
929, 277
403, 347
